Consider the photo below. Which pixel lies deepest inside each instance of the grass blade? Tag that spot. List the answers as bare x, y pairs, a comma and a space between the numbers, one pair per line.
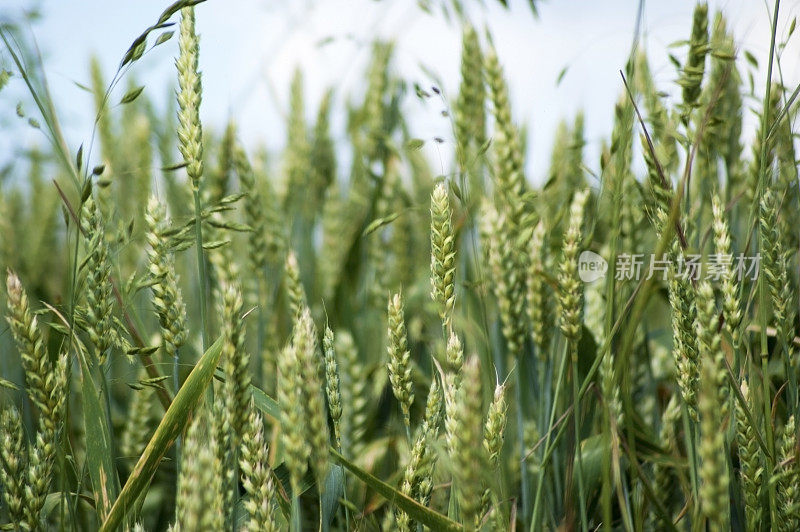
171, 426
99, 450
417, 512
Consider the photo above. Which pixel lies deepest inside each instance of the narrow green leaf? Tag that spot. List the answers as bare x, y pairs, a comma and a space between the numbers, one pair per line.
99, 451
334, 488
415, 510
172, 424
380, 222
265, 403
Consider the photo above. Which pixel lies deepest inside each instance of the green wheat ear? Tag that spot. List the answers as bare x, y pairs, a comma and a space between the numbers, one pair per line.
443, 255
400, 358
190, 94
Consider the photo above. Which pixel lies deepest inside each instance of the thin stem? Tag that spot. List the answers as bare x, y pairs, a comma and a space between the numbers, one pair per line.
201, 264
548, 449
523, 471
576, 416
762, 286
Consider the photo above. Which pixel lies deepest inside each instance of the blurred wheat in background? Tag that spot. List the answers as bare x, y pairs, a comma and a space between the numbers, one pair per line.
344, 334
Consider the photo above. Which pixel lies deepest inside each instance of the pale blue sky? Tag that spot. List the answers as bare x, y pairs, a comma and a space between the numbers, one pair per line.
250, 47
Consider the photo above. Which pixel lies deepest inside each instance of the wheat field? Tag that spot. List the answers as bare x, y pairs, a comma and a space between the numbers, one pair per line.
203, 335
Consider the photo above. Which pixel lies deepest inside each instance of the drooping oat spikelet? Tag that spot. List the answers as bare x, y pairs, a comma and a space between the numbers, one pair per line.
400, 358
494, 430
692, 73
190, 131
469, 115
751, 463
788, 515
99, 303
332, 384
466, 453
538, 300
731, 305
294, 285
13, 464
200, 481
571, 290
316, 418
167, 298
256, 476
296, 448
443, 255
